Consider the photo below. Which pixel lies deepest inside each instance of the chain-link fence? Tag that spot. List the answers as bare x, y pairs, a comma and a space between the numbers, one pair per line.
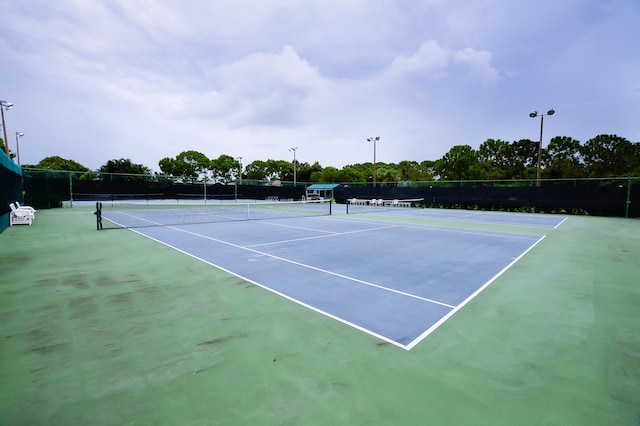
605, 197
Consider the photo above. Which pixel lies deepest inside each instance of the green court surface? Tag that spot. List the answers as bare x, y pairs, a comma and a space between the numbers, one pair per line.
111, 328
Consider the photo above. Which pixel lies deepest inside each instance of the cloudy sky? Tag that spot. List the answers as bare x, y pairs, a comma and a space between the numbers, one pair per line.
94, 80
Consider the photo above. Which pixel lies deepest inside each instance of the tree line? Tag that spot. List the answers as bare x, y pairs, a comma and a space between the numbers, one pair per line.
495, 159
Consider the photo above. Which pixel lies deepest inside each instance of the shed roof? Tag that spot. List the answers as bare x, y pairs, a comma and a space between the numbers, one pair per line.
323, 186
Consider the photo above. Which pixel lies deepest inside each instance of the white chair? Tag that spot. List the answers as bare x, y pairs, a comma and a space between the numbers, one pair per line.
25, 208
18, 205
20, 217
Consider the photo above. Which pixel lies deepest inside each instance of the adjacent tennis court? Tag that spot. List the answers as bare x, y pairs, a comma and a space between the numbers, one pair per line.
396, 281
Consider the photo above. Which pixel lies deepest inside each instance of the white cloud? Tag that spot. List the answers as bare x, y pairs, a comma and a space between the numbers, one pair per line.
431, 59
265, 89
437, 62
480, 67
99, 80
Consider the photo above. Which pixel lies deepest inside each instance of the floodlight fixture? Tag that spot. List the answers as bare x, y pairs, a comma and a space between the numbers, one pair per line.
534, 114
374, 140
240, 170
295, 165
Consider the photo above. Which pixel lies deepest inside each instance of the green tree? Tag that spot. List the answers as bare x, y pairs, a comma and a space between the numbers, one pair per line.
522, 160
188, 165
360, 171
284, 170
257, 170
493, 155
269, 170
388, 172
409, 170
124, 166
461, 162
326, 175
635, 167
225, 168
610, 156
58, 163
166, 165
305, 171
2, 147
353, 173
426, 170
563, 159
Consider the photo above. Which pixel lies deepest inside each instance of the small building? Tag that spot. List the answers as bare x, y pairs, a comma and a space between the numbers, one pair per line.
319, 191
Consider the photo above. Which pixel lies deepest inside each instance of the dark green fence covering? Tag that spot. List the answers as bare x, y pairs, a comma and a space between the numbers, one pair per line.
10, 187
603, 197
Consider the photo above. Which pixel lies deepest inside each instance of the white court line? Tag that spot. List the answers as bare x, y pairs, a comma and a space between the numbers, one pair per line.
474, 217
468, 299
305, 228
567, 217
461, 216
132, 216
335, 274
409, 346
332, 234
488, 220
299, 302
500, 234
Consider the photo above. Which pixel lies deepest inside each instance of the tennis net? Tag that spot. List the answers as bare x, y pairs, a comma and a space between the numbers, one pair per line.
116, 214
355, 205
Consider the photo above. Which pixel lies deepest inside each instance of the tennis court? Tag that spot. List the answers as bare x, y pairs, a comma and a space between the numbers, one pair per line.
386, 209
112, 327
397, 282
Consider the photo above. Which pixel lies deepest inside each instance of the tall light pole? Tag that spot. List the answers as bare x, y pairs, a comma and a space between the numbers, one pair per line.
235, 182
18, 136
295, 165
374, 140
534, 114
5, 105
240, 171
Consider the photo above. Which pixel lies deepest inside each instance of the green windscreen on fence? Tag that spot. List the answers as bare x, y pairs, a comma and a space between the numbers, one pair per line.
611, 196
46, 188
11, 188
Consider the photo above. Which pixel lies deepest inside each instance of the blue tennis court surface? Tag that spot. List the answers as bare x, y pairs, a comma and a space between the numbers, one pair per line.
397, 282
474, 216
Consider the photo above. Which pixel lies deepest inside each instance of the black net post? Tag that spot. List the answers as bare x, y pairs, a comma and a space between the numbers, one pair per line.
98, 214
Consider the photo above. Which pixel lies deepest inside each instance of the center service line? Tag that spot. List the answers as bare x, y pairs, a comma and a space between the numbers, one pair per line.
315, 268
